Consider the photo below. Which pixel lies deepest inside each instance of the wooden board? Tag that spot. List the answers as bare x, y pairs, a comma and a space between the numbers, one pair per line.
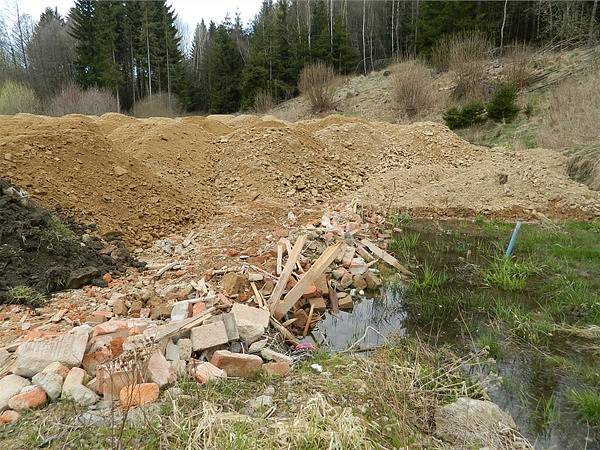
287, 271
386, 257
315, 271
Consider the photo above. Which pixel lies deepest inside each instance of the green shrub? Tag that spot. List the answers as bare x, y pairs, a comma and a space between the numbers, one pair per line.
502, 106
466, 116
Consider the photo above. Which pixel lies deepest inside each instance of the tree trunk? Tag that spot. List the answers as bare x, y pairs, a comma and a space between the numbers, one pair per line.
392, 28
592, 22
331, 26
309, 23
363, 36
21, 38
416, 27
502, 29
148, 53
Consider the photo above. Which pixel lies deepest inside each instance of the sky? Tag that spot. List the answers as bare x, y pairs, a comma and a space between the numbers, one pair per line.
190, 12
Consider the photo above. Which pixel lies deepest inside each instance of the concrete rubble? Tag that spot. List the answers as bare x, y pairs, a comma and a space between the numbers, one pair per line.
231, 322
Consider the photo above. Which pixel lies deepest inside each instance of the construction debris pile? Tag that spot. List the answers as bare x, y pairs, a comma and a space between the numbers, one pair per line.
232, 322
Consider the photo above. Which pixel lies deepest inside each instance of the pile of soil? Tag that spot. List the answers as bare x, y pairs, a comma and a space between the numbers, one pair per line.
38, 251
147, 178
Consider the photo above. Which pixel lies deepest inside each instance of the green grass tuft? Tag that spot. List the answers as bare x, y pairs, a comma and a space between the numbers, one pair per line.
508, 274
429, 281
587, 405
24, 295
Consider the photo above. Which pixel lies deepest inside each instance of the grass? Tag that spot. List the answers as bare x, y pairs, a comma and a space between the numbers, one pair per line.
24, 295
508, 274
587, 405
429, 281
385, 401
490, 342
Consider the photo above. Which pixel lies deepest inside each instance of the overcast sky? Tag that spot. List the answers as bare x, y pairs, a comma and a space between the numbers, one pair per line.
190, 12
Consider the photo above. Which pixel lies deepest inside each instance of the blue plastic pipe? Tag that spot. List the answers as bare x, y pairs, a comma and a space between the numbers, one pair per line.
513, 239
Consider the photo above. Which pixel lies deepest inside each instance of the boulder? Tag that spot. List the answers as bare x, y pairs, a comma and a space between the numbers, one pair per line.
172, 351
473, 424
185, 348
75, 377
251, 322
158, 370
81, 277
10, 385
237, 364
234, 283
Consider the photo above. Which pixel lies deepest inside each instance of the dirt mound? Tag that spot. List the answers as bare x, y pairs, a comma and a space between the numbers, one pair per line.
39, 252
148, 178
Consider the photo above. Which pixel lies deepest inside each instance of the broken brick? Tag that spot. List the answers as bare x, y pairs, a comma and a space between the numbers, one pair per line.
139, 394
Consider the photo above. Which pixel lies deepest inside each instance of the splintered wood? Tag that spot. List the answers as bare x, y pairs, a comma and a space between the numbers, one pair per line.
287, 271
279, 309
385, 256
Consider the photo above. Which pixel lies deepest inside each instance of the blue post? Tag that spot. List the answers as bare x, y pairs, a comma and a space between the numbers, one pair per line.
513, 239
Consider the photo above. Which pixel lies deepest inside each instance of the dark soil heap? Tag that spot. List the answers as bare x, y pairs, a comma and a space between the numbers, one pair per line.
39, 254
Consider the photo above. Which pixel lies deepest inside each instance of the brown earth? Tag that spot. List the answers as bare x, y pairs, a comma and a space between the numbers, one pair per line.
148, 178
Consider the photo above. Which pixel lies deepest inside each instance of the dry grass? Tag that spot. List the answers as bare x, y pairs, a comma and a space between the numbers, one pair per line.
573, 113
263, 102
466, 54
74, 100
317, 83
519, 65
158, 105
413, 89
584, 165
17, 98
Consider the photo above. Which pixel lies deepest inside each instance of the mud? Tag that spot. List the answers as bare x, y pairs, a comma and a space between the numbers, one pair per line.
38, 250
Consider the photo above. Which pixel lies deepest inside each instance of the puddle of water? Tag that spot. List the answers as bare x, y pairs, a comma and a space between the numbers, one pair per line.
371, 320
533, 391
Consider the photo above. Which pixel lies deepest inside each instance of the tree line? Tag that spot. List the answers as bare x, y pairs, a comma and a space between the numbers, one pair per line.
135, 49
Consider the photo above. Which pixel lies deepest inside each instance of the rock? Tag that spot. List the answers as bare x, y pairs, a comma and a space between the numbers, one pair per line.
278, 368
338, 273
234, 283
236, 364
185, 348
359, 282
206, 371
318, 303
92, 360
119, 171
230, 326
272, 355
34, 356
181, 311
141, 415
161, 311
58, 368
81, 277
82, 395
346, 281
93, 419
345, 301
261, 401
373, 281
251, 322
139, 394
9, 416
75, 377
178, 368
120, 307
209, 335
10, 385
257, 346
4, 356
158, 370
51, 383
30, 399
255, 276
111, 383
473, 423
172, 351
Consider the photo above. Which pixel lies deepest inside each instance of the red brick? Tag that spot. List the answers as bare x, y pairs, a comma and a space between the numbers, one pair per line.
139, 394
237, 364
277, 368
9, 416
206, 371
31, 399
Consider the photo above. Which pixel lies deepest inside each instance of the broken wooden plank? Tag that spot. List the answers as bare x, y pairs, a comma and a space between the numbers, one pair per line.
166, 268
363, 252
259, 297
288, 247
307, 326
333, 297
287, 271
348, 255
386, 257
57, 317
280, 248
284, 331
315, 271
